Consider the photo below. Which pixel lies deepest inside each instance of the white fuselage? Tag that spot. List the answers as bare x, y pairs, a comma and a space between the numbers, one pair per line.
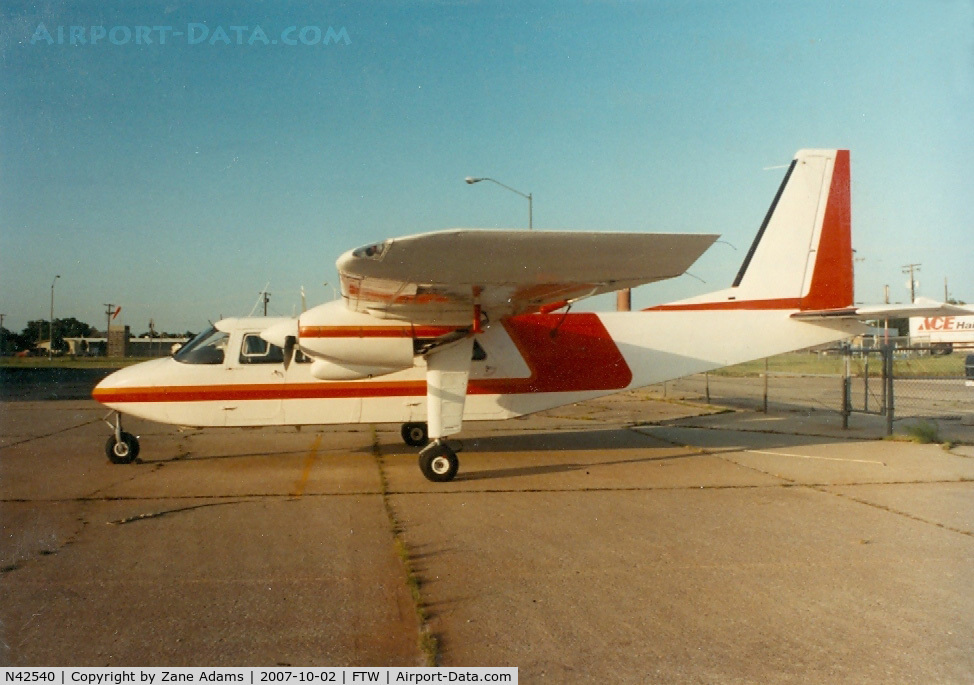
532, 363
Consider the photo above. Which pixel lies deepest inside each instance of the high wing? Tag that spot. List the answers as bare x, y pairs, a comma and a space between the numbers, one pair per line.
442, 277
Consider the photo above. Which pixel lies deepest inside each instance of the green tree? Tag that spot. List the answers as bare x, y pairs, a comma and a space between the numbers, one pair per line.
8, 342
38, 331
35, 332
72, 328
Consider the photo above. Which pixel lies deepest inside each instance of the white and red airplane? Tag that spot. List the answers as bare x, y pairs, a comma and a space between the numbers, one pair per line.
462, 325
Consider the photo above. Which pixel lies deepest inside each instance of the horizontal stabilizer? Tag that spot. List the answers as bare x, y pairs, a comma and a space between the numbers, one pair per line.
922, 307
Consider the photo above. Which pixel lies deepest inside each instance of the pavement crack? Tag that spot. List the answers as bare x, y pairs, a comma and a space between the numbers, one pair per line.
51, 434
824, 487
135, 473
891, 510
167, 512
28, 554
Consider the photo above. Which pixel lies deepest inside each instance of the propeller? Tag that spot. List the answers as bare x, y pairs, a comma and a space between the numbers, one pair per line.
289, 343
283, 334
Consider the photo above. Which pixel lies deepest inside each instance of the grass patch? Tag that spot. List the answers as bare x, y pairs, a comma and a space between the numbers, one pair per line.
808, 363
923, 432
833, 364
429, 645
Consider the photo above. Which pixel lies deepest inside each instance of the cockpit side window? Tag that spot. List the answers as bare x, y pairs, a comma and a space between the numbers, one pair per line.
206, 348
256, 350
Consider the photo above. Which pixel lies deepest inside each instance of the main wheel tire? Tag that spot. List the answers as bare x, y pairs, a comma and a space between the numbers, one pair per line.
124, 451
415, 434
439, 463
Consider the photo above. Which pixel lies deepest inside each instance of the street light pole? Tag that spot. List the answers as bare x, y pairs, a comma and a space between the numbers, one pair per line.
50, 347
530, 198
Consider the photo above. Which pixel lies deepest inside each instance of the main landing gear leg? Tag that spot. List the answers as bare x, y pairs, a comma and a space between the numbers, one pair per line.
447, 373
438, 462
122, 447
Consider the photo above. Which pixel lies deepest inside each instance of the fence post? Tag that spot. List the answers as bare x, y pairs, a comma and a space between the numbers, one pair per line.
888, 385
865, 382
765, 406
846, 387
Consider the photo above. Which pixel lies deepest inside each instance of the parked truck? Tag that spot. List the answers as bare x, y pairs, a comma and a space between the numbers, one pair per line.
942, 333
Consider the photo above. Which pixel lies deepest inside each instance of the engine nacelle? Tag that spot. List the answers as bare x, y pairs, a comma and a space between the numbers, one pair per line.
326, 370
352, 345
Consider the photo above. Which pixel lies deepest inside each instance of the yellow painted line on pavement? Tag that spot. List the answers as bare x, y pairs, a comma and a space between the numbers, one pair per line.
308, 463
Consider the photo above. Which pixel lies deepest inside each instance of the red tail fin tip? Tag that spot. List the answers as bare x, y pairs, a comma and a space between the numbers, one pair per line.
832, 279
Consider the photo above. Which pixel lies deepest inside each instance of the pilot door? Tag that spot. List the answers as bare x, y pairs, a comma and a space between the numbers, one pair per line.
255, 380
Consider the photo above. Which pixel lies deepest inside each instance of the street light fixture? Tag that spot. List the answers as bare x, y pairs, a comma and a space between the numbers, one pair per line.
50, 347
471, 180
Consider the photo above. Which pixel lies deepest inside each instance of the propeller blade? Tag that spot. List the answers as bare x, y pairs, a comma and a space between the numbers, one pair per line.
289, 344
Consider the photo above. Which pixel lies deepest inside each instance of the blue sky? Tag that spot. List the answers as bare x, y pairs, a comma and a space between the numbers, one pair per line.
178, 179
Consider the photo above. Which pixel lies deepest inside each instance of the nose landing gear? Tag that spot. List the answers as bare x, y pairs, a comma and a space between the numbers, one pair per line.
122, 447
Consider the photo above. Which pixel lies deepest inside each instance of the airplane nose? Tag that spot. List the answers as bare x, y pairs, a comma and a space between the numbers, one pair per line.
279, 332
118, 386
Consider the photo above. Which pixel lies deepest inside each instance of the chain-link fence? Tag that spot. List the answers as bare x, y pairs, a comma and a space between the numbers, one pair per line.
930, 384
898, 383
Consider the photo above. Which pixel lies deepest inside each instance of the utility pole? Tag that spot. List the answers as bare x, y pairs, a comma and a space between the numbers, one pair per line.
909, 269
267, 298
2, 317
109, 309
50, 347
886, 320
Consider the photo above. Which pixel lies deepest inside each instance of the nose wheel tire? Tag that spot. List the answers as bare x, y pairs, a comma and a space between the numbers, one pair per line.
438, 462
415, 434
122, 451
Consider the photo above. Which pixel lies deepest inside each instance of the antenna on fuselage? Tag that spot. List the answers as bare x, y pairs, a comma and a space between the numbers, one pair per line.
262, 296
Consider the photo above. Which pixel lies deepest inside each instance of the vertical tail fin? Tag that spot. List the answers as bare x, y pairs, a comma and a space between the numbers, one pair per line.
802, 255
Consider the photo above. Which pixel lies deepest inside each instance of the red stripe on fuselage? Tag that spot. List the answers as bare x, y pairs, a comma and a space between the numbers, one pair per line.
375, 331
565, 353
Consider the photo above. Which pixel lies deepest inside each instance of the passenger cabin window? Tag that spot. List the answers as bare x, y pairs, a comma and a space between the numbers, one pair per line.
206, 348
256, 350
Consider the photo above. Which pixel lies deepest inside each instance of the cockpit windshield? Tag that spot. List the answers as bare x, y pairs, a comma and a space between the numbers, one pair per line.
208, 347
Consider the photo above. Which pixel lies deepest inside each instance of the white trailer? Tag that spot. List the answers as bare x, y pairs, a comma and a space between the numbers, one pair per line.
942, 333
